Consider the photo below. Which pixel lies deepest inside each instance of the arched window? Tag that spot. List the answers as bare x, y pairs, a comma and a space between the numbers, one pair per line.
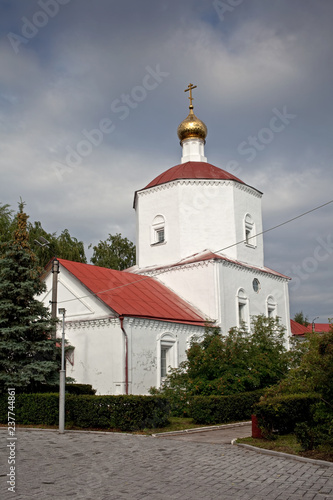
271, 307
167, 355
249, 231
158, 230
242, 307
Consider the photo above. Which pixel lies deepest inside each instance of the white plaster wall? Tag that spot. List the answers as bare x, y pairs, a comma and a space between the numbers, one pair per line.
151, 203
232, 278
98, 357
144, 345
79, 303
197, 284
246, 203
199, 215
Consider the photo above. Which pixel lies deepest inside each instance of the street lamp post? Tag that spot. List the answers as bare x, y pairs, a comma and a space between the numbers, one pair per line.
62, 381
313, 324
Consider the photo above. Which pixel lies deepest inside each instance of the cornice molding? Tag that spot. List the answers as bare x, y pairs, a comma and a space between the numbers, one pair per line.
212, 261
163, 326
200, 182
89, 323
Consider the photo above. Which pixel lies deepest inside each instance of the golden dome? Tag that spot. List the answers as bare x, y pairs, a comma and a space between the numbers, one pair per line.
191, 127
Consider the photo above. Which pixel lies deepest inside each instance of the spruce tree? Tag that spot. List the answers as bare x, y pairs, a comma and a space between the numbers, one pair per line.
27, 352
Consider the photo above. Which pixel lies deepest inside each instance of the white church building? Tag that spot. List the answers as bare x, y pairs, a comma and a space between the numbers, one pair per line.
200, 259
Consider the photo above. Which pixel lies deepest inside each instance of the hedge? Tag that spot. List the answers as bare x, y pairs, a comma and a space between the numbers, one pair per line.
280, 414
126, 413
222, 409
70, 389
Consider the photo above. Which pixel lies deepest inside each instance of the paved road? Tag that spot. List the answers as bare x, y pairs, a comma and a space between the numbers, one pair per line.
100, 466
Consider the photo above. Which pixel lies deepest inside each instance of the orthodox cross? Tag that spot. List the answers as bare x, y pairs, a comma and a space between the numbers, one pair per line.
190, 88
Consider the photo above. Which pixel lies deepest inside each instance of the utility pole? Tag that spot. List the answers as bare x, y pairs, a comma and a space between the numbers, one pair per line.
42, 242
62, 381
55, 272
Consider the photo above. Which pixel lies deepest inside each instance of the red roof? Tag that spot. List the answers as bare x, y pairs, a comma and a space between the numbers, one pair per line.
130, 294
298, 329
208, 255
192, 170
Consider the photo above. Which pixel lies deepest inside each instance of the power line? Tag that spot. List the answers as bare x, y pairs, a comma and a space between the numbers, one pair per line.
216, 251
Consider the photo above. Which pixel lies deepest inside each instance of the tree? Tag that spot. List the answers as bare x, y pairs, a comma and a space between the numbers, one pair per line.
301, 319
63, 246
27, 353
115, 253
6, 223
237, 362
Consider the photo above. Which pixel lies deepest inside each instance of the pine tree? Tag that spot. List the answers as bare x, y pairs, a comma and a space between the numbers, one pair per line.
27, 353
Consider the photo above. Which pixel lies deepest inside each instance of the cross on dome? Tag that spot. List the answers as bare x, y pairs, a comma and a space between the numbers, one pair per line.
189, 89
192, 128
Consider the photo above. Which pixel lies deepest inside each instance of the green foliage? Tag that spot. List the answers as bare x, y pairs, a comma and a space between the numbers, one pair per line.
70, 389
314, 375
301, 319
27, 354
63, 246
318, 429
114, 253
211, 410
281, 413
7, 223
219, 365
126, 413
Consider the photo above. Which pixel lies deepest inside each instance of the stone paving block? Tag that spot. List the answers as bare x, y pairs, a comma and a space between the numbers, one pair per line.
95, 466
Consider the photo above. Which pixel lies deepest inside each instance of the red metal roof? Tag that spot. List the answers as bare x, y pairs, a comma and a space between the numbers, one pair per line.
298, 329
131, 294
208, 255
192, 170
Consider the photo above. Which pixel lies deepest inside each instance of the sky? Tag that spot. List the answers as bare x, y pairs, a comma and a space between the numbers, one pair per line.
92, 93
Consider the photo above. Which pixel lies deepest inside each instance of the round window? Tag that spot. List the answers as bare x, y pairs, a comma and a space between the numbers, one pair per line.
256, 285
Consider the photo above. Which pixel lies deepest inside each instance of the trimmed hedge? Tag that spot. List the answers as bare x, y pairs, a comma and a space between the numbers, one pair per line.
70, 389
222, 409
281, 414
126, 413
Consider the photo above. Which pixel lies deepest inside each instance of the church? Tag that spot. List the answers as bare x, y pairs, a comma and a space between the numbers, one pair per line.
200, 260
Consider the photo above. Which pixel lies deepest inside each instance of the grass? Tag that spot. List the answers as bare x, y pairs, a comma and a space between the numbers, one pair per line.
176, 424
288, 444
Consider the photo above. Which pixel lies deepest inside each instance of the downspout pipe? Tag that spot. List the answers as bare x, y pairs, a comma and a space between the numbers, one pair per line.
126, 352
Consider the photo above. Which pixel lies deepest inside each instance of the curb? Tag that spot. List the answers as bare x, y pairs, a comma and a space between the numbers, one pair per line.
201, 429
264, 451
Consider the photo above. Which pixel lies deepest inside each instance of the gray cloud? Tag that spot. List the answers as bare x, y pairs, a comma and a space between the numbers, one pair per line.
263, 56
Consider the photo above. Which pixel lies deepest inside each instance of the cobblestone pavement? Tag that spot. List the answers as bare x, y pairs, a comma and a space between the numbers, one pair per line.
101, 466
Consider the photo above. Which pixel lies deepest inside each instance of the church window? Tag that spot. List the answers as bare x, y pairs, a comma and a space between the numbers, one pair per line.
242, 307
271, 307
167, 356
158, 230
249, 228
256, 285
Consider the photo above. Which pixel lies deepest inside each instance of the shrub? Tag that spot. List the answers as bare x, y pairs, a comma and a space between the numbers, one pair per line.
318, 430
70, 389
281, 413
126, 413
221, 409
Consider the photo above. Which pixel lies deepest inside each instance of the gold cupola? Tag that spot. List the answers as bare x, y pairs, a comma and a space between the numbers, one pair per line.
192, 133
191, 127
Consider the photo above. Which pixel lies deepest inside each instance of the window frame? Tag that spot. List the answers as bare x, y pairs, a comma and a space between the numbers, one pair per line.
249, 231
169, 344
242, 308
158, 226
